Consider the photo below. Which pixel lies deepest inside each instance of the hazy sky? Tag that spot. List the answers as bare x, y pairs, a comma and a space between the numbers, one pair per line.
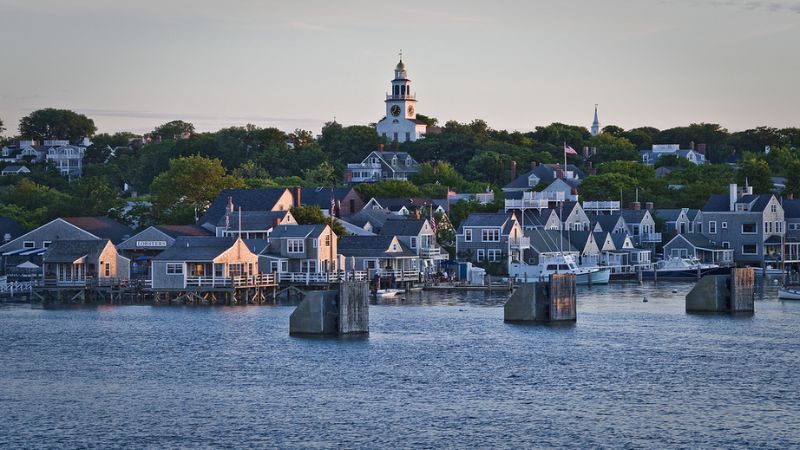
131, 65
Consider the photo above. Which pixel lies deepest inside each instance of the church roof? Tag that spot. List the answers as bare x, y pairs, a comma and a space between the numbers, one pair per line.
400, 66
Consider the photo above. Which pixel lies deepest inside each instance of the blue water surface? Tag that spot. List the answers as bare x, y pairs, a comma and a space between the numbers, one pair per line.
437, 370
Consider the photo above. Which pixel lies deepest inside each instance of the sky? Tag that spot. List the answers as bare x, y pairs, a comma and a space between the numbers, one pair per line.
132, 65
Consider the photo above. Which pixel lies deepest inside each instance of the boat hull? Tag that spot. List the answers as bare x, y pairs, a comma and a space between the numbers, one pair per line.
789, 294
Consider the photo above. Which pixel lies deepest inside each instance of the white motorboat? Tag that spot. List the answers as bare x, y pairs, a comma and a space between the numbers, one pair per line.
789, 293
387, 293
558, 264
680, 268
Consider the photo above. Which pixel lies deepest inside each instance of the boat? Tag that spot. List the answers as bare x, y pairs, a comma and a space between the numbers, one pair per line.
387, 293
561, 263
789, 293
681, 269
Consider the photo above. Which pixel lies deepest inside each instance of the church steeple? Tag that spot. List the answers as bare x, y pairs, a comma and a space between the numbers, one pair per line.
400, 123
596, 123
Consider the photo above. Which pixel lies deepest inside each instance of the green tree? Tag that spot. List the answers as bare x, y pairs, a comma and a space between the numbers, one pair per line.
186, 189
755, 172
343, 145
1, 126
97, 195
45, 202
608, 186
388, 188
642, 138
610, 148
614, 130
173, 130
51, 123
793, 180
312, 215
440, 172
428, 120
322, 175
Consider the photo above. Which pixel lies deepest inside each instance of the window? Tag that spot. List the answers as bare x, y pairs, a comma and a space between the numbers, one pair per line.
479, 255
774, 208
327, 240
284, 266
749, 228
29, 244
494, 255
395, 137
313, 243
46, 244
490, 235
371, 264
308, 266
726, 244
767, 227
749, 249
108, 270
779, 227
174, 269
413, 242
712, 227
295, 246
408, 136
724, 225
468, 235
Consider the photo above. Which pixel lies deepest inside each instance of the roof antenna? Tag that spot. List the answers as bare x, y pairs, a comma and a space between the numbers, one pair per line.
240, 222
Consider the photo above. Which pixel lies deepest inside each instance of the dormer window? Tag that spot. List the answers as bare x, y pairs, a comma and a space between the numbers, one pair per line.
394, 160
408, 160
533, 180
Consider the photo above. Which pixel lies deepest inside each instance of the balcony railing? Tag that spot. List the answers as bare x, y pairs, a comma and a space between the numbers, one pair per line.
364, 166
430, 252
601, 206
523, 242
539, 203
401, 97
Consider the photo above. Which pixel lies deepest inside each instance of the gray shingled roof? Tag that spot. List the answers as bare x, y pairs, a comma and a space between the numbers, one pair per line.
194, 248
486, 220
721, 202
549, 241
321, 196
102, 227
175, 231
67, 251
697, 240
633, 215
372, 246
252, 220
297, 231
791, 208
667, 215
607, 221
246, 199
375, 217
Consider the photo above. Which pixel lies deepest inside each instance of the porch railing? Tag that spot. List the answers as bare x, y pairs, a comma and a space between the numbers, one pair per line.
262, 279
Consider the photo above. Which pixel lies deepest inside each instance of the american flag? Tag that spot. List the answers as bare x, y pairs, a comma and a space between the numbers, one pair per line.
333, 204
433, 224
569, 150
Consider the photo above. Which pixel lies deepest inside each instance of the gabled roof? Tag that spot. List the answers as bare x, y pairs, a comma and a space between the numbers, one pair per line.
607, 221
791, 208
175, 231
246, 199
697, 240
692, 213
102, 227
395, 203
321, 196
375, 217
564, 209
633, 215
721, 202
68, 251
401, 166
619, 239
297, 231
536, 217
252, 220
667, 215
578, 239
486, 220
15, 169
195, 248
372, 246
403, 227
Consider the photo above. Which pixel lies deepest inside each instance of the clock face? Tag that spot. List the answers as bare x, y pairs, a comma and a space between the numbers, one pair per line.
410, 110
395, 110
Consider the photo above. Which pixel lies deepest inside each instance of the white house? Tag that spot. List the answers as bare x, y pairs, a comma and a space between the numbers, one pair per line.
651, 156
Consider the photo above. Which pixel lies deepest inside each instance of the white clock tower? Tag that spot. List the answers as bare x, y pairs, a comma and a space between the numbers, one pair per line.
400, 123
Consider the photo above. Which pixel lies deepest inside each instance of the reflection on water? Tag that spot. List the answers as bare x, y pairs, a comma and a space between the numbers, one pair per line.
439, 369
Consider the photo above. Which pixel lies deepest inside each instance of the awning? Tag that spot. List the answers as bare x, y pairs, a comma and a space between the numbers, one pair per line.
27, 265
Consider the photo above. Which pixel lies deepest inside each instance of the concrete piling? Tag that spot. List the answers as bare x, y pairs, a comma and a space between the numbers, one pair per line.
723, 293
543, 302
342, 311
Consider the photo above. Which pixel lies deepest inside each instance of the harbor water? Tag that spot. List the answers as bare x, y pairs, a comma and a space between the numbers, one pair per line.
439, 369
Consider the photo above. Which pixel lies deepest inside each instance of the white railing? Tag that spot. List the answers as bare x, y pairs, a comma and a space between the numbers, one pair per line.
364, 166
601, 206
262, 279
523, 242
321, 277
400, 275
527, 203
430, 252
401, 97
16, 286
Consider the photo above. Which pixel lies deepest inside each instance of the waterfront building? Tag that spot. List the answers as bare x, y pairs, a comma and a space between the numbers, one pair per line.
419, 236
751, 225
400, 124
384, 255
196, 262
77, 263
676, 220
540, 219
658, 150
608, 223
695, 245
146, 244
301, 249
641, 226
545, 244
382, 165
252, 224
490, 238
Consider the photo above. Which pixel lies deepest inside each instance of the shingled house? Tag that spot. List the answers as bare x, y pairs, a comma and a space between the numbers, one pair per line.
76, 263
230, 200
203, 261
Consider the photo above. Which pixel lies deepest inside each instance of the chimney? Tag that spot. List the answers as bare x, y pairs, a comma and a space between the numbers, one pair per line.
297, 196
380, 147
276, 222
513, 170
732, 196
230, 204
691, 145
701, 148
559, 173
636, 206
648, 206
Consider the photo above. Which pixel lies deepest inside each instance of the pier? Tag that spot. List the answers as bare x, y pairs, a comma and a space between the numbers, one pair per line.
732, 293
337, 312
551, 301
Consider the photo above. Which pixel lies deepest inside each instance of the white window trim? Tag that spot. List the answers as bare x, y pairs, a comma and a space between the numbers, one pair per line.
755, 228
724, 225
712, 227
745, 253
174, 268
480, 255
726, 244
29, 244
467, 234
298, 248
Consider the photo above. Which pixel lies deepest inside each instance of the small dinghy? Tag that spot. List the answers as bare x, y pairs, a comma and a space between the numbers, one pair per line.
387, 293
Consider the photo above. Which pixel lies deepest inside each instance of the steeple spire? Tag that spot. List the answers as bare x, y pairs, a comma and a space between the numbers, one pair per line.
596, 123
